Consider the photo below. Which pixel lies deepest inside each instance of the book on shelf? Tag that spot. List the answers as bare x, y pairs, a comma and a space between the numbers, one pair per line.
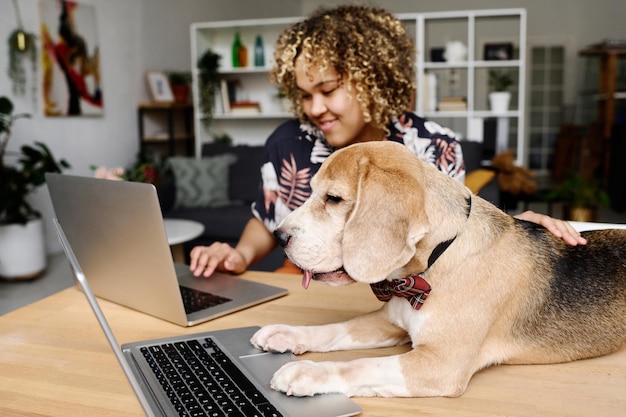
245, 107
225, 96
429, 92
452, 104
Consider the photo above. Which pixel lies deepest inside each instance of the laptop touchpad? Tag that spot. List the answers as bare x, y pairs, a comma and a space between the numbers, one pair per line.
263, 366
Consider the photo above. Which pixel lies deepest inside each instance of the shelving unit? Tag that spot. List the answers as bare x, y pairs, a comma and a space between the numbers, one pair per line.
473, 28
608, 55
254, 80
172, 128
607, 96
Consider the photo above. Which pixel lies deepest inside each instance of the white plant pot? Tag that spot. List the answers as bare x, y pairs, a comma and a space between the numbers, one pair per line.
499, 101
22, 250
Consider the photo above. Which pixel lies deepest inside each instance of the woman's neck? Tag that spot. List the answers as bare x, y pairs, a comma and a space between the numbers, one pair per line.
369, 134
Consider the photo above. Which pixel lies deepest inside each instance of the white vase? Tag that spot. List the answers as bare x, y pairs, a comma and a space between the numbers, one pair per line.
499, 101
22, 250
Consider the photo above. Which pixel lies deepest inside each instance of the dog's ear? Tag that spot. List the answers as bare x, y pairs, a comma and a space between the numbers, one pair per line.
386, 223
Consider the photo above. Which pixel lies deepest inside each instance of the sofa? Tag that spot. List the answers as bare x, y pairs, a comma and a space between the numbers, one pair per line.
237, 172
223, 218
478, 178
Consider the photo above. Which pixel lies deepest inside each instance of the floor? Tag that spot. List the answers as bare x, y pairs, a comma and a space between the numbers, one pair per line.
15, 294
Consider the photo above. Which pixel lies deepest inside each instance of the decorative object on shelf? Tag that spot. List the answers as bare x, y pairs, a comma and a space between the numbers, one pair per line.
259, 53
239, 52
455, 103
70, 59
437, 54
455, 51
21, 46
581, 197
180, 82
513, 180
209, 77
22, 242
245, 107
499, 98
159, 87
498, 51
284, 101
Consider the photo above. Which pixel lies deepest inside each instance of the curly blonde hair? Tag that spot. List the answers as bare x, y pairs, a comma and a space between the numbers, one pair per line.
368, 48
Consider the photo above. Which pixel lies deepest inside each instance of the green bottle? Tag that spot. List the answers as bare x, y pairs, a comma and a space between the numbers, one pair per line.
236, 50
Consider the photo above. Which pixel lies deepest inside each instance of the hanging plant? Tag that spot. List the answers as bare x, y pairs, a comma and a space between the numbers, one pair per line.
22, 46
208, 74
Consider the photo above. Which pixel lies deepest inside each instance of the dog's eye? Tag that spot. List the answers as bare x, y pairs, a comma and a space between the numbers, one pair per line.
333, 198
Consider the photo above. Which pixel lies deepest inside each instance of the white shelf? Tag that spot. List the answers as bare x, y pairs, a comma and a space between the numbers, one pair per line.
468, 64
278, 115
472, 24
483, 114
472, 27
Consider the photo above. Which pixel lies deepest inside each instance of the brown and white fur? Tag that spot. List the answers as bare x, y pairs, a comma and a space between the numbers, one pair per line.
504, 292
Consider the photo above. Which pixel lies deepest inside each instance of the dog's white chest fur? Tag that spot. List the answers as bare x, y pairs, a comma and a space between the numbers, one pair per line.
401, 314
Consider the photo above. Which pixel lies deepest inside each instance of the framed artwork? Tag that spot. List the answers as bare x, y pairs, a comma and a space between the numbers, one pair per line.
70, 59
498, 51
159, 87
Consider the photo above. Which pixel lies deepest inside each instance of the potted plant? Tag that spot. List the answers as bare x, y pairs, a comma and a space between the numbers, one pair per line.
499, 97
22, 244
180, 82
210, 80
581, 198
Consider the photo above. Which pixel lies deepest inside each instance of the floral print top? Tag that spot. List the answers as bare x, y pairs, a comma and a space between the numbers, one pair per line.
295, 151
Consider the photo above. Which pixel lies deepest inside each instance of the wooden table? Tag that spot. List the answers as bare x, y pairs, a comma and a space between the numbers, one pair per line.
55, 361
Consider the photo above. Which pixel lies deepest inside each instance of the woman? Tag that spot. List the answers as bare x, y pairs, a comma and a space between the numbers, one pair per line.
350, 75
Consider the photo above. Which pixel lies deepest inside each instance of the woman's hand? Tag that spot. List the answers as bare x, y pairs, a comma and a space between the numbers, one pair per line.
254, 244
219, 256
559, 228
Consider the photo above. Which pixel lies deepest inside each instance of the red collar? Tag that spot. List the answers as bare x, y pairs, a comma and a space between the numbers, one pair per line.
414, 288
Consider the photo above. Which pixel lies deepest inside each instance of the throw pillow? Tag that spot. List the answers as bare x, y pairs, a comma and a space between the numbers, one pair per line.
202, 182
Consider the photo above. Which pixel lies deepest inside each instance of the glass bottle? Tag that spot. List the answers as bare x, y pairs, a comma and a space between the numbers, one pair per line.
259, 56
235, 51
243, 55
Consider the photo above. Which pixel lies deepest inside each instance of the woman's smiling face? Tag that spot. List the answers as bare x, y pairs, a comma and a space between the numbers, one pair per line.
331, 107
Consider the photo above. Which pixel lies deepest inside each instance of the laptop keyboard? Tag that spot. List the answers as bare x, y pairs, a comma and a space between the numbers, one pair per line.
200, 380
195, 300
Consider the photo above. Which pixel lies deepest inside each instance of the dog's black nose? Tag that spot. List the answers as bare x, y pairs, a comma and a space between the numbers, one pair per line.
281, 237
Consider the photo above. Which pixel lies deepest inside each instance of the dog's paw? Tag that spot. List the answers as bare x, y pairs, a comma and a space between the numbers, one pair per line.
279, 338
304, 379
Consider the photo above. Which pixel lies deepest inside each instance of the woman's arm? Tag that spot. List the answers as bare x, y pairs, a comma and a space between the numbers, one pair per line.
255, 243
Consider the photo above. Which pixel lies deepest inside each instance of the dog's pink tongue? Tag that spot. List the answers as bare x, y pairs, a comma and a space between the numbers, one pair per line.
306, 279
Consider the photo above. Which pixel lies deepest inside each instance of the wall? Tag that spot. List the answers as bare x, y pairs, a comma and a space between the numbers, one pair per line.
135, 35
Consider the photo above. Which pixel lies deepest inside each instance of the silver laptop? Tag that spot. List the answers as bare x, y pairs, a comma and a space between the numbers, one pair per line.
207, 374
116, 230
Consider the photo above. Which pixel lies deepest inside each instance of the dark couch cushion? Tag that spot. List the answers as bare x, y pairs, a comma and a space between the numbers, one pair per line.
245, 172
472, 154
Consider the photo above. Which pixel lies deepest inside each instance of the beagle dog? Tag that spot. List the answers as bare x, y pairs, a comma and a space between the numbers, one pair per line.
466, 284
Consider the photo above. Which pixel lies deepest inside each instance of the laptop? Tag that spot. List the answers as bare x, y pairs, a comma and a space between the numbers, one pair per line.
207, 374
116, 230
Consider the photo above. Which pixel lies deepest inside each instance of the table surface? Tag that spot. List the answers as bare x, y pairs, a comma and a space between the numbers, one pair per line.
55, 361
182, 230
